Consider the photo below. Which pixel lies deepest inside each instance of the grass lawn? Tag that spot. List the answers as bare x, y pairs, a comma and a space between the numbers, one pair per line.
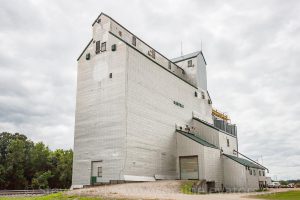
291, 195
57, 196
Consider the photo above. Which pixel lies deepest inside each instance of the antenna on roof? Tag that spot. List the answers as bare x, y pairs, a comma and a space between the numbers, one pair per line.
201, 45
181, 48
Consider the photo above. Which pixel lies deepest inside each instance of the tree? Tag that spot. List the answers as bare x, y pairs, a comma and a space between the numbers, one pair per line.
40, 181
24, 163
15, 164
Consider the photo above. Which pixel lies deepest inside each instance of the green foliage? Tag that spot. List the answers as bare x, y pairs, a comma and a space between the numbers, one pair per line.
24, 164
186, 187
57, 196
40, 181
291, 195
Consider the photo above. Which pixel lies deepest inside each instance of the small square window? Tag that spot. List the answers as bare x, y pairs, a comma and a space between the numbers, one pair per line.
87, 56
103, 46
114, 47
203, 95
133, 40
190, 63
98, 47
99, 171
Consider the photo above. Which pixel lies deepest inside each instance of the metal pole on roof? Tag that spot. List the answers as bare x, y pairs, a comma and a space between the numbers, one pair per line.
181, 48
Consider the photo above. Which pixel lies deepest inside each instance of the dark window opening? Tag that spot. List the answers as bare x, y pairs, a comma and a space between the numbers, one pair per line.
169, 66
203, 95
263, 173
97, 47
227, 142
196, 94
250, 171
99, 171
151, 53
190, 63
103, 46
133, 40
114, 47
110, 75
120, 33
87, 56
259, 172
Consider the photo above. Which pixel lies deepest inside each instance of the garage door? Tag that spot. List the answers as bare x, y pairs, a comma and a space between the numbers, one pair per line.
189, 167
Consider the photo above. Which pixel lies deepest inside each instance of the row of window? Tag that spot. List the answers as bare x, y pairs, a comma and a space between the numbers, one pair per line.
253, 172
203, 96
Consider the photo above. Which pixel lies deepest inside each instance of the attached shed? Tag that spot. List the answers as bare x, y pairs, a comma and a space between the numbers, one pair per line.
242, 175
198, 159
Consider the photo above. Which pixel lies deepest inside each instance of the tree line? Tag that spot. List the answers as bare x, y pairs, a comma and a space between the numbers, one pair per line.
28, 165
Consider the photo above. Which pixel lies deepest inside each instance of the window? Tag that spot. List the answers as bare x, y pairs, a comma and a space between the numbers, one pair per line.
259, 172
97, 47
110, 75
250, 171
133, 40
263, 173
196, 94
120, 33
203, 95
103, 46
254, 172
151, 53
87, 56
99, 171
228, 143
114, 47
190, 63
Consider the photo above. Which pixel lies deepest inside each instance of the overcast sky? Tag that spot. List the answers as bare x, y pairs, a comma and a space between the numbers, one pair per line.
252, 49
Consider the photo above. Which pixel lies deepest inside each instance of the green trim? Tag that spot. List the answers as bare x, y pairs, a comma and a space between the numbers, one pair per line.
85, 49
244, 162
210, 125
151, 59
197, 139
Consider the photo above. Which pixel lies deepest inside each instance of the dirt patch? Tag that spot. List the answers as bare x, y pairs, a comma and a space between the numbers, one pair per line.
157, 190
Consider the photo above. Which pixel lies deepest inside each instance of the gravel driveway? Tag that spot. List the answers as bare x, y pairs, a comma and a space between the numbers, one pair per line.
156, 190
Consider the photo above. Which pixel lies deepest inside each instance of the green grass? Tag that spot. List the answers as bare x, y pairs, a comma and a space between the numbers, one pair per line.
186, 187
57, 196
291, 195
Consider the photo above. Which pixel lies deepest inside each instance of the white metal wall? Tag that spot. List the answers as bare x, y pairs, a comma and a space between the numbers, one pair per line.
100, 110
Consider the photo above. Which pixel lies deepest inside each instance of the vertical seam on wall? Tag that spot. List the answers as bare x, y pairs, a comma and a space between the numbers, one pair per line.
126, 108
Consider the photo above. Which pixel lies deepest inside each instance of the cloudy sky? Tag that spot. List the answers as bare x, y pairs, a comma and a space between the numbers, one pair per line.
252, 49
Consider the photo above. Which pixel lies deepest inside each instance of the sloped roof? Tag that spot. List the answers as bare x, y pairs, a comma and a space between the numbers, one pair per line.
197, 139
244, 162
188, 56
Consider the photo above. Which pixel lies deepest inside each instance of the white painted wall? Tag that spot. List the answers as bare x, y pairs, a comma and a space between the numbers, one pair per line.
234, 175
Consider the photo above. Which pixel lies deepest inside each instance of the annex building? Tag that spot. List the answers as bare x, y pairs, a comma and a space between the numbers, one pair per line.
143, 117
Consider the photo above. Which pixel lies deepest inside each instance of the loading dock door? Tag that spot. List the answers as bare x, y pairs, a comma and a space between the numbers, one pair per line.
189, 167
